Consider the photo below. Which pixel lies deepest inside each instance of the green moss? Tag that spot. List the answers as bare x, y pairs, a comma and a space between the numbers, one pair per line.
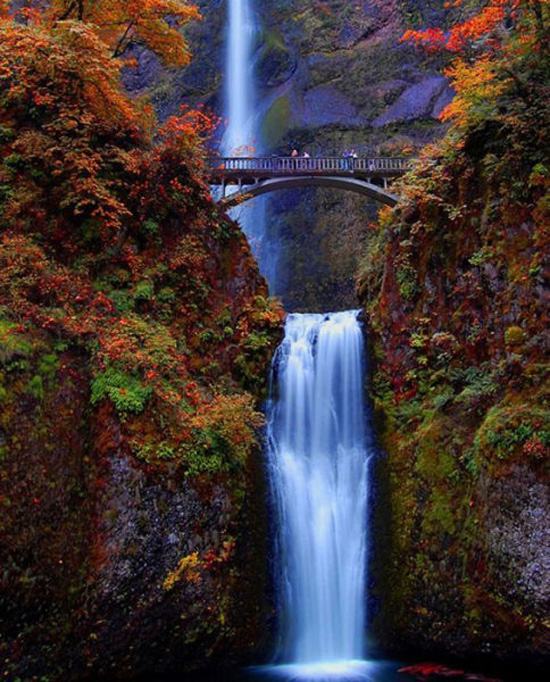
440, 514
435, 464
276, 122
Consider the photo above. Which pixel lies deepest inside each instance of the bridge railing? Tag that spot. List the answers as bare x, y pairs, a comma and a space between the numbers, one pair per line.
291, 164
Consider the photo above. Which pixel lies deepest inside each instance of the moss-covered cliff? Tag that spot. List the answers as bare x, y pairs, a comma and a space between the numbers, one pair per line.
135, 337
453, 289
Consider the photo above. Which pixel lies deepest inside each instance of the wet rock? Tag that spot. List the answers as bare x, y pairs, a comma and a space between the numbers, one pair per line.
422, 100
326, 105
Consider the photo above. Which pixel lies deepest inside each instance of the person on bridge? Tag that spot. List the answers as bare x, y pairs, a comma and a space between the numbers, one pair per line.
306, 155
295, 153
347, 160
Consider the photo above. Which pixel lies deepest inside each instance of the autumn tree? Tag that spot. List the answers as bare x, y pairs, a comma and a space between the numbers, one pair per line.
155, 24
499, 53
67, 130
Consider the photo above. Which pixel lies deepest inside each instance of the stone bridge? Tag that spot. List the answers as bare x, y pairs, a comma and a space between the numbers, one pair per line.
251, 177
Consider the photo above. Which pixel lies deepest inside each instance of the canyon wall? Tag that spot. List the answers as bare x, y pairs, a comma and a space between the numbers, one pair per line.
457, 320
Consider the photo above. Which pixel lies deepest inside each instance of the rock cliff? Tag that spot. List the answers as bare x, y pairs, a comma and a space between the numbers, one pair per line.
454, 297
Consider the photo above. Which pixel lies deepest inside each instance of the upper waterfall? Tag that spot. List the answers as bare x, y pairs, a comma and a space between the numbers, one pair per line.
240, 133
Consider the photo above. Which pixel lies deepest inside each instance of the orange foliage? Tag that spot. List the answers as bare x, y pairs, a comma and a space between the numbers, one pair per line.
475, 83
495, 49
57, 109
479, 26
153, 23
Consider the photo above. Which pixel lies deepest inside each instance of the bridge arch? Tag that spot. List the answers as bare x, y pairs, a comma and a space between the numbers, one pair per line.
350, 184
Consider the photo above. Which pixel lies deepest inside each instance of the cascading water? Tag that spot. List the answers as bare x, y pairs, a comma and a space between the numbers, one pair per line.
318, 457
242, 135
318, 440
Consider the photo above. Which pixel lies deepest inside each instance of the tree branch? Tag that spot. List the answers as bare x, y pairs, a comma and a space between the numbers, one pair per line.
120, 47
67, 13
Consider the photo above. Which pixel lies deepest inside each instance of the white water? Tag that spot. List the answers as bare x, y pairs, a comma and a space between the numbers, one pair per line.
242, 134
318, 458
318, 440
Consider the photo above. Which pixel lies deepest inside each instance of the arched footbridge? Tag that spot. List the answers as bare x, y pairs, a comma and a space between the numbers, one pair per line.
250, 177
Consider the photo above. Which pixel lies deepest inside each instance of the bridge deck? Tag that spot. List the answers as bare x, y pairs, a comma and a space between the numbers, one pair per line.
249, 170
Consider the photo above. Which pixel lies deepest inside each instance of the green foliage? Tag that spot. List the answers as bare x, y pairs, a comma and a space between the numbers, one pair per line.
36, 387
481, 384
151, 227
127, 392
48, 366
12, 343
509, 427
144, 291
407, 280
123, 300
481, 256
442, 399
418, 340
206, 457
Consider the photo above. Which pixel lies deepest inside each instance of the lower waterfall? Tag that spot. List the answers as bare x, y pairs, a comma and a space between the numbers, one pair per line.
319, 446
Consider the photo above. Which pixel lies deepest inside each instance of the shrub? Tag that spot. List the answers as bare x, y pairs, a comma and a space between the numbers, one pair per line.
126, 392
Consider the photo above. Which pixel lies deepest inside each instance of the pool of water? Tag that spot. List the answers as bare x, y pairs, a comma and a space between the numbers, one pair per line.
331, 671
375, 670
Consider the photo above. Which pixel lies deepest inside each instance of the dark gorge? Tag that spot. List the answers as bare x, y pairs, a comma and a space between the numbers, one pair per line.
274, 435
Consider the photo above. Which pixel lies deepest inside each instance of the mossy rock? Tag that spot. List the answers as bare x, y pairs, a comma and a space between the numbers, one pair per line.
276, 122
276, 63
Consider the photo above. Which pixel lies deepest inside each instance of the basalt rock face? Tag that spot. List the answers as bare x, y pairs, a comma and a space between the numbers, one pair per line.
347, 82
454, 299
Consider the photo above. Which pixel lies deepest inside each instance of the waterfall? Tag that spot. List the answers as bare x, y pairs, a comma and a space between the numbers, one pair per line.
242, 134
319, 443
319, 447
